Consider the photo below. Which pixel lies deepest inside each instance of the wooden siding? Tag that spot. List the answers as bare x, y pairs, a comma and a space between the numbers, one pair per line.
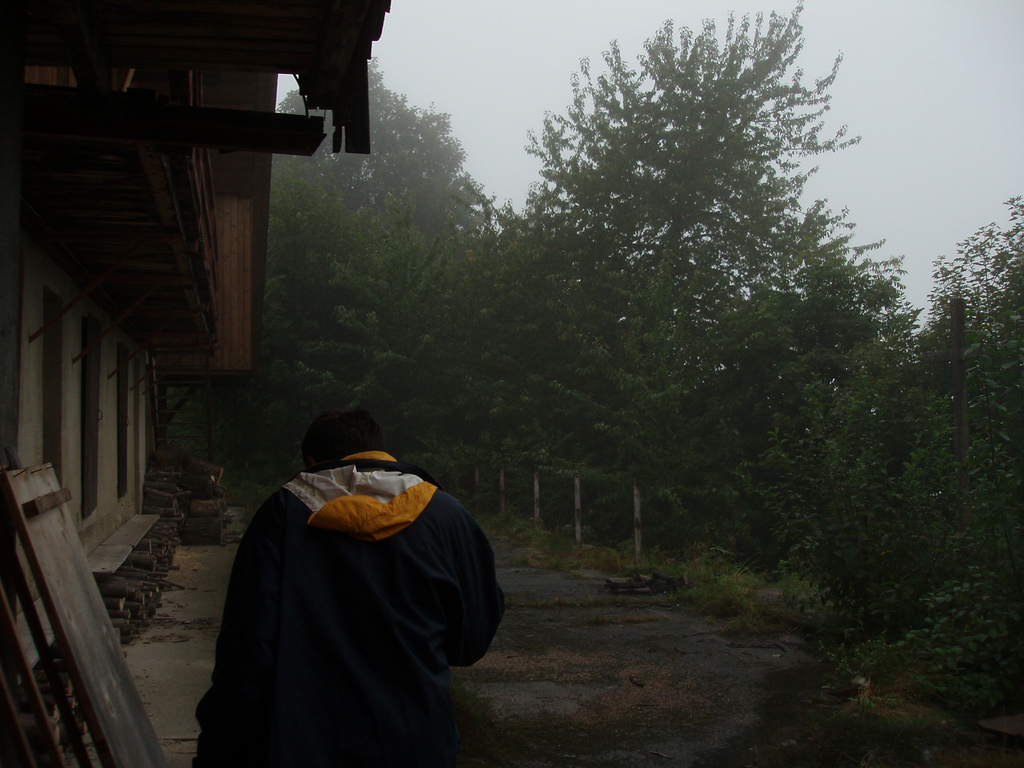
234, 276
236, 288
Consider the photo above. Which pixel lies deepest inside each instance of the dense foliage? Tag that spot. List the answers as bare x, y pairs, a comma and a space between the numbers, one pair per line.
922, 555
668, 311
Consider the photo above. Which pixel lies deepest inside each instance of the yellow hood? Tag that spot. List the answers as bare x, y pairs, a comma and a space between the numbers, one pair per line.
369, 505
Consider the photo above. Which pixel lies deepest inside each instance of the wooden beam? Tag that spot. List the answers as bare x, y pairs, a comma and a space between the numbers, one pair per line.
141, 348
339, 79
135, 305
168, 204
149, 372
173, 314
74, 21
139, 117
83, 293
346, 25
141, 278
45, 503
121, 237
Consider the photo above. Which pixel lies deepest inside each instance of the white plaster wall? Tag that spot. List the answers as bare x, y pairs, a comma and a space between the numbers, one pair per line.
40, 271
111, 512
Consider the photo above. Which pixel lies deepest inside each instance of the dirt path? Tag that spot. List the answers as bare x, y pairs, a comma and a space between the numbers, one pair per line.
578, 677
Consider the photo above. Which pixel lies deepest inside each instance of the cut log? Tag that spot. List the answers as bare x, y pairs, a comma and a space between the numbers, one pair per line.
111, 588
206, 507
201, 486
142, 561
160, 498
199, 467
164, 486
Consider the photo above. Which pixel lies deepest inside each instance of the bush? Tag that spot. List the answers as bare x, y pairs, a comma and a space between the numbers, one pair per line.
866, 499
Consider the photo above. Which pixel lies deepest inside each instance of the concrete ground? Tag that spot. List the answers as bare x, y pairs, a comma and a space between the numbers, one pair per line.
172, 659
574, 677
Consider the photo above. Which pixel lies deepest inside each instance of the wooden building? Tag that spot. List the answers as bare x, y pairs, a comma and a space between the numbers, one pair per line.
135, 147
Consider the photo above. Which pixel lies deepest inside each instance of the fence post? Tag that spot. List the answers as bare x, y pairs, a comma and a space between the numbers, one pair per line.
637, 523
476, 487
501, 490
579, 513
536, 497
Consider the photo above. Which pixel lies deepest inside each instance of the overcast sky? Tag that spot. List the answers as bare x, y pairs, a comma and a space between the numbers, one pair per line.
935, 88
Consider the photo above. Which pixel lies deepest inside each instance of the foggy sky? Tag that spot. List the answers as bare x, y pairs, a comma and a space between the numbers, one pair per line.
934, 88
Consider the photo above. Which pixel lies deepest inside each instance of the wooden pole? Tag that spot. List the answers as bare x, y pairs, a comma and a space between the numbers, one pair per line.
579, 511
956, 355
476, 486
637, 524
501, 491
961, 435
536, 497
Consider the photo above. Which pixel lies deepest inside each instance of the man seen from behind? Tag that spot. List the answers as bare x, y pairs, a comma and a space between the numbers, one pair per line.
354, 589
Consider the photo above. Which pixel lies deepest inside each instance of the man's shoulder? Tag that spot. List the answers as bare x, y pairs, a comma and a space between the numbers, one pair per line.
446, 512
276, 507
442, 501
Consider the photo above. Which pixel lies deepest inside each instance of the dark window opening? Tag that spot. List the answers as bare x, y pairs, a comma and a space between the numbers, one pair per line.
53, 380
91, 415
122, 420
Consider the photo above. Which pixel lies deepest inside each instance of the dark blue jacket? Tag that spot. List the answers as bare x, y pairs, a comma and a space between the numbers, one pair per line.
335, 651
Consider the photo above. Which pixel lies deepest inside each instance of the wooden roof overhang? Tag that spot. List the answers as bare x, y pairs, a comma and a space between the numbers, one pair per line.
325, 43
117, 186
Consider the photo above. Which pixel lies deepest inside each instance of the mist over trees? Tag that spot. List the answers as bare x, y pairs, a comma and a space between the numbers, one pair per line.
667, 310
415, 160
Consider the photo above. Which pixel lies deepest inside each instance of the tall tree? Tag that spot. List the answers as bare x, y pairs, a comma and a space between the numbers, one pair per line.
687, 169
695, 294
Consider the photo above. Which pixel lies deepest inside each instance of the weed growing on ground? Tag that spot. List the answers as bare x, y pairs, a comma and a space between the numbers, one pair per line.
717, 587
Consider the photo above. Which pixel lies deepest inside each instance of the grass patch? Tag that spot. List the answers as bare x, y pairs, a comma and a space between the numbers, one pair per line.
718, 588
898, 703
722, 589
540, 548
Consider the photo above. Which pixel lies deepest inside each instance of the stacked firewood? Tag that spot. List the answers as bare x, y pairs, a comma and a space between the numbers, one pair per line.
161, 495
188, 497
133, 592
205, 521
187, 491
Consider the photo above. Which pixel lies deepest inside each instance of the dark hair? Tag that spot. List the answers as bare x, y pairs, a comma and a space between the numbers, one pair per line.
336, 434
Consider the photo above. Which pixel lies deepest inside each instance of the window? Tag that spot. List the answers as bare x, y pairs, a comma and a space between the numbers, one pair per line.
53, 382
90, 415
122, 420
